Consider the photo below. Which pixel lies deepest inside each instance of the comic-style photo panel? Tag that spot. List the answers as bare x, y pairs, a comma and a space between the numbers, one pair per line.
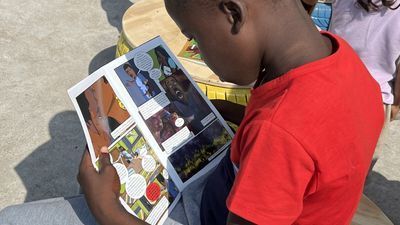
168, 102
200, 151
146, 188
105, 116
166, 123
181, 93
187, 101
136, 77
166, 64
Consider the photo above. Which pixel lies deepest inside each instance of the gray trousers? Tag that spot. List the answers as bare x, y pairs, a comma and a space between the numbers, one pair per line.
74, 210
63, 211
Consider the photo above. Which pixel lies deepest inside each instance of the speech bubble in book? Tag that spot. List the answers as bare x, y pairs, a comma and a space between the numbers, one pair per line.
136, 186
131, 171
121, 171
143, 61
142, 151
153, 192
148, 163
155, 74
165, 174
179, 122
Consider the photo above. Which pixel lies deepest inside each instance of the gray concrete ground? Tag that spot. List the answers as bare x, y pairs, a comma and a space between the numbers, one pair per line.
45, 48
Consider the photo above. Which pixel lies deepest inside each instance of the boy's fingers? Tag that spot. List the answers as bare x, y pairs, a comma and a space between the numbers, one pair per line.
86, 167
86, 162
104, 159
104, 149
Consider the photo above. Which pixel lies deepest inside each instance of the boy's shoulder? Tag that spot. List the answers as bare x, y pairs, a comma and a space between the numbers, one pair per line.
318, 97
304, 86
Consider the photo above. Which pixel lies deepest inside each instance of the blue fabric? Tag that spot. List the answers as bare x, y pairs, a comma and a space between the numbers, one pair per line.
171, 63
321, 15
140, 80
213, 208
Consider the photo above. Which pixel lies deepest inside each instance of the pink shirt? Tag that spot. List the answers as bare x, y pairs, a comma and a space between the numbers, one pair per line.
375, 36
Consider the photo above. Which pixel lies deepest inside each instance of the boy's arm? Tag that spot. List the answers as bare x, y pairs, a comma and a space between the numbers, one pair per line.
101, 191
236, 220
396, 103
230, 111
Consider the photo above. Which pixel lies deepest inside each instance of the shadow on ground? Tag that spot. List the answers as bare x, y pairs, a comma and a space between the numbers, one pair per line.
41, 178
50, 171
102, 58
386, 194
115, 11
67, 139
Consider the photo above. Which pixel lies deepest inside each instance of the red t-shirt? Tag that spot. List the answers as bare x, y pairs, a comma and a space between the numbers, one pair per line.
306, 143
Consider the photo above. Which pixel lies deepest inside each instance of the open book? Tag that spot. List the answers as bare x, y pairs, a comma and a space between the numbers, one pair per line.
161, 131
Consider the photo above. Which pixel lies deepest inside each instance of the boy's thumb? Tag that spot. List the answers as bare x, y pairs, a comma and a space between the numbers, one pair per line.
104, 158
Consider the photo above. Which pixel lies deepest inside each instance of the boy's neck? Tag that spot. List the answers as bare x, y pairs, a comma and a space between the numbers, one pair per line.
296, 42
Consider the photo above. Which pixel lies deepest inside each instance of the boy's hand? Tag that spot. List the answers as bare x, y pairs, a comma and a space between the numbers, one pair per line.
101, 191
236, 220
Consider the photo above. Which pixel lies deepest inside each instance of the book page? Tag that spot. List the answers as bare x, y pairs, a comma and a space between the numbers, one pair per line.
147, 190
149, 91
189, 133
103, 116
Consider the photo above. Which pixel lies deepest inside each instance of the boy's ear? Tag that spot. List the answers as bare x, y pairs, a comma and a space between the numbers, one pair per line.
236, 13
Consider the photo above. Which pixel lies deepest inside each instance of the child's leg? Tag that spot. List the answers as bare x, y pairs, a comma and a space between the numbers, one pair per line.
213, 208
57, 211
383, 139
64, 211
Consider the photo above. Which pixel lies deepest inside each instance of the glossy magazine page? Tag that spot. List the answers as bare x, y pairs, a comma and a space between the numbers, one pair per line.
161, 131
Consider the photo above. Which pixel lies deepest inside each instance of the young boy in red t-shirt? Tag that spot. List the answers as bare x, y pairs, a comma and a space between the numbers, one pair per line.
304, 145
